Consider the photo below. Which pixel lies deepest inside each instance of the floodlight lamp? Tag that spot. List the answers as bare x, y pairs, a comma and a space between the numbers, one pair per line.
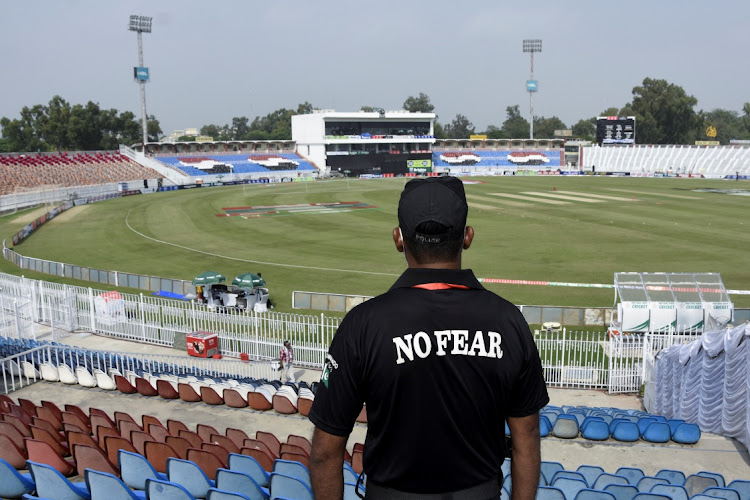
534, 45
141, 24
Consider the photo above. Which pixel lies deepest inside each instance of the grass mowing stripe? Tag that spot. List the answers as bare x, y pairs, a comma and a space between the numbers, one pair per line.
529, 198
555, 196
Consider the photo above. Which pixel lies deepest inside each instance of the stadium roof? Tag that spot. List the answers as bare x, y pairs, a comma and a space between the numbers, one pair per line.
670, 287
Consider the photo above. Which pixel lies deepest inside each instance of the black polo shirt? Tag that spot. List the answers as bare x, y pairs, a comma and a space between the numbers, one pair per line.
440, 370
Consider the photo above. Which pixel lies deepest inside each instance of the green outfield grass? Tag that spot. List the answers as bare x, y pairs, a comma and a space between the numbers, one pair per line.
596, 227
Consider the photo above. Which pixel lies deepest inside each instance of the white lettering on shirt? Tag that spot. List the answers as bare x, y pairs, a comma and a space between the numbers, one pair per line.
453, 342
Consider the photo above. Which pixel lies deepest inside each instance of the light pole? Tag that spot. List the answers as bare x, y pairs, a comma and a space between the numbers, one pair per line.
141, 24
532, 46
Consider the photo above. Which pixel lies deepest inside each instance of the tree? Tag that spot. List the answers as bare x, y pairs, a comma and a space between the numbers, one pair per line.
419, 104
728, 124
153, 129
239, 128
515, 126
493, 132
544, 128
218, 133
664, 113
459, 128
367, 109
585, 129
439, 131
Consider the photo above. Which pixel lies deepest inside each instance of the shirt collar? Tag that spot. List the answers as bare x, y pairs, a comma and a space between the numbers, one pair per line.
412, 277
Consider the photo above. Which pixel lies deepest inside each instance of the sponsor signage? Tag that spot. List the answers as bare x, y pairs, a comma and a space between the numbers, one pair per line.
419, 166
478, 137
707, 143
615, 130
532, 85
140, 73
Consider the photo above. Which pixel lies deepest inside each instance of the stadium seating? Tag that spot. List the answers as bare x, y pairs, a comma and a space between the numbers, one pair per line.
31, 170
479, 159
240, 163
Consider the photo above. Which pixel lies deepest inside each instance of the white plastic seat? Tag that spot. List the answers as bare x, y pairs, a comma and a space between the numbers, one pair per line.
49, 372
66, 375
85, 378
104, 381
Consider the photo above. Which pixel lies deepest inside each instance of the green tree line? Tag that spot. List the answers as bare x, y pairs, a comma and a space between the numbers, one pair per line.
60, 126
665, 114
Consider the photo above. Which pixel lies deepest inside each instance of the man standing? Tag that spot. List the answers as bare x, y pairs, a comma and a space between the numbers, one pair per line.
286, 356
441, 364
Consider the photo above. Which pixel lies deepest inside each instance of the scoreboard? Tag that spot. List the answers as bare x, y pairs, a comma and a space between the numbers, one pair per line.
615, 130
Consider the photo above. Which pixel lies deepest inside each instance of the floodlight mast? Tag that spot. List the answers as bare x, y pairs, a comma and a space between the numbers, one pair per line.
141, 24
531, 46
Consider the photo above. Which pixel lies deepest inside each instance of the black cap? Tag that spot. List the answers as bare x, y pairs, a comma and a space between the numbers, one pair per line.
433, 199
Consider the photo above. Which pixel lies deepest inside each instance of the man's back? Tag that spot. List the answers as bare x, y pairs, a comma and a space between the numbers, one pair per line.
440, 370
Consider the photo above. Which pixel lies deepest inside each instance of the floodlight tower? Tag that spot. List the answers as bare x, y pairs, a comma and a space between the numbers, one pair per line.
141, 24
532, 46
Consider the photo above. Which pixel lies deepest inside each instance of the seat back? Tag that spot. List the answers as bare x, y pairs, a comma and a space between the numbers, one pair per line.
91, 457
237, 436
695, 484
217, 494
11, 453
632, 474
205, 431
135, 470
549, 493
648, 482
250, 466
622, 491
289, 487
271, 441
673, 476
590, 473
13, 484
158, 453
589, 494
292, 469
51, 484
239, 482
224, 442
569, 486
605, 479
742, 487
720, 481
41, 452
189, 475
158, 489
109, 486
673, 491
206, 460
179, 445
113, 444
174, 427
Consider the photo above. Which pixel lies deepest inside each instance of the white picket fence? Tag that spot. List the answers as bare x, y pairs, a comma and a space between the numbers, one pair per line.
569, 359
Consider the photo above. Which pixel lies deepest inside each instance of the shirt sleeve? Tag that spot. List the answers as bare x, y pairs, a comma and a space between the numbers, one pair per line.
530, 392
338, 399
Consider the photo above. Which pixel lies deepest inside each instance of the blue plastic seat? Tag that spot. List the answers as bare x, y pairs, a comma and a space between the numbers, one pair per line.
657, 432
673, 476
742, 487
549, 493
289, 487
545, 426
292, 469
673, 491
51, 484
350, 491
156, 489
217, 494
569, 474
251, 467
135, 469
650, 496
632, 474
589, 494
605, 479
720, 482
547, 468
595, 430
590, 473
695, 484
190, 476
624, 430
648, 482
13, 484
722, 492
674, 422
569, 486
111, 487
622, 491
686, 433
240, 482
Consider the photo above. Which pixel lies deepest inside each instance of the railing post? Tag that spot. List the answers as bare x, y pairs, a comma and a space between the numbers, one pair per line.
142, 316
17, 317
92, 312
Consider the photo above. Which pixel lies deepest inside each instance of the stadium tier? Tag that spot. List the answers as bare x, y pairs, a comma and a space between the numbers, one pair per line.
212, 164
497, 158
32, 170
708, 161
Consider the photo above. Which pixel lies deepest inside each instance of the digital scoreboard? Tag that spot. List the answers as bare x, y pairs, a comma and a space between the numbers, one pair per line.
615, 130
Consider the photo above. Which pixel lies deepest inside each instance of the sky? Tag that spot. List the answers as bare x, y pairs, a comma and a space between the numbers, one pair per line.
214, 60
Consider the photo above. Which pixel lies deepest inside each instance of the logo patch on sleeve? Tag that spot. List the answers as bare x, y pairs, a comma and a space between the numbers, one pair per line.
331, 365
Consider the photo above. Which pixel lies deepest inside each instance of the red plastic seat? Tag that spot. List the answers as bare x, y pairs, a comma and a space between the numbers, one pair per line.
144, 387
11, 453
179, 445
112, 444
237, 436
124, 386
166, 390
174, 427
264, 459
40, 434
233, 399
205, 432
39, 451
224, 441
158, 453
271, 441
206, 460
91, 457
187, 393
193, 437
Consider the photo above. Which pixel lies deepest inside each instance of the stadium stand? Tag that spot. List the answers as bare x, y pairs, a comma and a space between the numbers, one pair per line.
30, 170
477, 158
211, 164
707, 161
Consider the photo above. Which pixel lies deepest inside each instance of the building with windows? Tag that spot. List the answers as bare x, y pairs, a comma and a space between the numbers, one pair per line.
378, 142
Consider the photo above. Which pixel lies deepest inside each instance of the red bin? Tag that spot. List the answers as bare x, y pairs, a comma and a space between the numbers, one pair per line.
202, 344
